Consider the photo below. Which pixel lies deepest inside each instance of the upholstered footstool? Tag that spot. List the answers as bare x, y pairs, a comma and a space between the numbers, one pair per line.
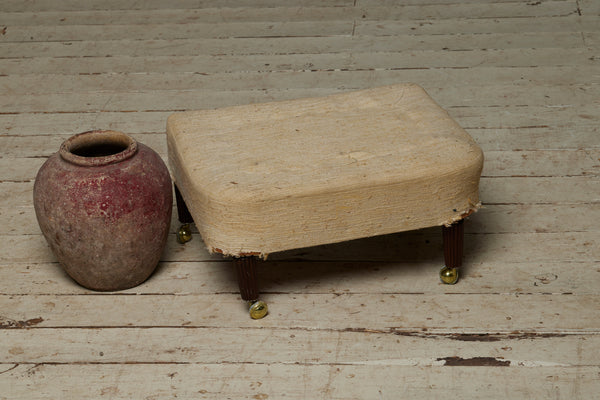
264, 178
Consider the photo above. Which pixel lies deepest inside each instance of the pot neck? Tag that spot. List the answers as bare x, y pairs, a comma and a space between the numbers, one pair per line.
97, 148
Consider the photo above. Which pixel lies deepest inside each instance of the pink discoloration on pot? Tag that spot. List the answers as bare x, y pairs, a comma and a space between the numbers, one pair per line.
104, 204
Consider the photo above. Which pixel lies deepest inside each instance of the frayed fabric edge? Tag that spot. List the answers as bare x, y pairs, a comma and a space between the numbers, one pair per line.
473, 209
263, 256
229, 253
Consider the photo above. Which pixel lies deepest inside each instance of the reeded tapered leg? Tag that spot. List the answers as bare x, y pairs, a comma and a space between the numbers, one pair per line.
248, 282
453, 251
184, 234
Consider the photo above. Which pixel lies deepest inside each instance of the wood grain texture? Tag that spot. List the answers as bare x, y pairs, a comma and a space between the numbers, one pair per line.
366, 319
213, 64
288, 346
264, 381
467, 313
289, 12
326, 277
246, 81
270, 46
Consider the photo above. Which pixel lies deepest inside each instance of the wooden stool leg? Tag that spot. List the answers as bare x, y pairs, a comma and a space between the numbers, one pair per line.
184, 234
248, 282
453, 237
183, 213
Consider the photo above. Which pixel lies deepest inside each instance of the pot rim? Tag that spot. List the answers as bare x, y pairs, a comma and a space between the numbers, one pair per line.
99, 138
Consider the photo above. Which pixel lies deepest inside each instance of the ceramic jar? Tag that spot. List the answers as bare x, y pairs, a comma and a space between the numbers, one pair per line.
104, 203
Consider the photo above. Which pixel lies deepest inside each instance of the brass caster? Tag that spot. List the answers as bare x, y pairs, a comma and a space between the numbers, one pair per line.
449, 276
258, 309
184, 234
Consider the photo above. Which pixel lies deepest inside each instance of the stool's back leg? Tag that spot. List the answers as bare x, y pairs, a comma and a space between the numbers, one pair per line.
453, 237
184, 234
182, 211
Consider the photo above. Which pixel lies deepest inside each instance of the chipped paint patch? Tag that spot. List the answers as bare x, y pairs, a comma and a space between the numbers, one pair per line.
6, 323
474, 362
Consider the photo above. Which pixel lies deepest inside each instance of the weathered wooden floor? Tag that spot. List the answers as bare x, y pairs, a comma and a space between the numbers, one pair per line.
361, 320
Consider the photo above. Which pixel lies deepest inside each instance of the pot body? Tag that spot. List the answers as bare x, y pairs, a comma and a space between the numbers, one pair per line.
104, 204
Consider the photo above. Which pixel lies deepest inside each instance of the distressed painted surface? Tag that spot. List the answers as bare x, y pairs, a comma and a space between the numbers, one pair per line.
365, 319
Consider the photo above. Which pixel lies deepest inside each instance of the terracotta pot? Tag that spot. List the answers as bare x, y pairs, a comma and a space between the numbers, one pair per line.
104, 204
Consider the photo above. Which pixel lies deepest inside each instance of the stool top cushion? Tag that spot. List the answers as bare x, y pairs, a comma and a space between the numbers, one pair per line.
268, 177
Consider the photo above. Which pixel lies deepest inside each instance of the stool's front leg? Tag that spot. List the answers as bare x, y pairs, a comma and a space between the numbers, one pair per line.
248, 282
453, 237
184, 234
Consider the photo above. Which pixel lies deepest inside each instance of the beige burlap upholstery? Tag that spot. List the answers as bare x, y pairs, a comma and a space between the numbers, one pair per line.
269, 177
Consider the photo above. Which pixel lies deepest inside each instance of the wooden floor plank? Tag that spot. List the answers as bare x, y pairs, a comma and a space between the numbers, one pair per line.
295, 45
289, 12
458, 26
27, 33
591, 39
541, 163
461, 79
540, 190
533, 138
388, 3
42, 144
512, 218
290, 346
181, 100
175, 31
50, 5
209, 64
518, 247
209, 15
417, 277
589, 7
435, 313
256, 381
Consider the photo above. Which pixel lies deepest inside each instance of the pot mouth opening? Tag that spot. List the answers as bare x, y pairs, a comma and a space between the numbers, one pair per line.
96, 148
